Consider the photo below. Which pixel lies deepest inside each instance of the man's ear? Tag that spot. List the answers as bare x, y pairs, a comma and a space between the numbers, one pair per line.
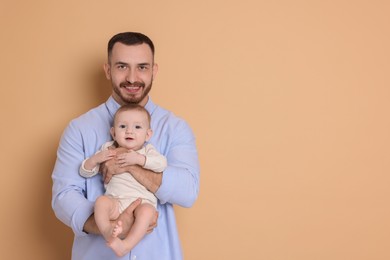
112, 131
155, 70
107, 70
149, 134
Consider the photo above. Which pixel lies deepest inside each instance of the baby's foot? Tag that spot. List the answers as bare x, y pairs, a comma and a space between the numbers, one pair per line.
118, 246
117, 230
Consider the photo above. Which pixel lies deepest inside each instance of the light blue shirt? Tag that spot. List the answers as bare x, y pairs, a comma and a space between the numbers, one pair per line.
74, 196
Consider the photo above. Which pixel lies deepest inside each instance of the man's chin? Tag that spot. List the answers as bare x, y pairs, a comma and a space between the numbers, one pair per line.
132, 99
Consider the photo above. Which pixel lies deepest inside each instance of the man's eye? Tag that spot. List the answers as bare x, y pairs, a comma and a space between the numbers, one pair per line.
143, 67
122, 67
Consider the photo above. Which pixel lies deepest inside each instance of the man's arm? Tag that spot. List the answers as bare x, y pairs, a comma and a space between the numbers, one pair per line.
149, 179
180, 180
68, 199
90, 226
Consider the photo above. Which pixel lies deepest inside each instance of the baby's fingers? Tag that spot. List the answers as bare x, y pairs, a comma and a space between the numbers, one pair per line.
124, 164
121, 156
120, 160
108, 157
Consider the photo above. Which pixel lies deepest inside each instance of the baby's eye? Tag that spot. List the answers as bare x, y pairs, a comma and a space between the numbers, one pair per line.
138, 127
122, 126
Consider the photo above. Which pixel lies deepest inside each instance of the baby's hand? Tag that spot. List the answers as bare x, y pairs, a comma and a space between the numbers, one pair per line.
99, 158
105, 155
129, 158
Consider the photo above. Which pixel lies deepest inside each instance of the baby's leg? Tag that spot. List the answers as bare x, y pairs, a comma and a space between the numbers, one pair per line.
144, 215
106, 209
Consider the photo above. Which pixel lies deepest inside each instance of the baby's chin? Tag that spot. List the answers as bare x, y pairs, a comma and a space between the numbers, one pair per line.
130, 147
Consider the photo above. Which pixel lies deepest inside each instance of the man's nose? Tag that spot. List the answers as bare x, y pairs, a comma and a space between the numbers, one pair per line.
131, 76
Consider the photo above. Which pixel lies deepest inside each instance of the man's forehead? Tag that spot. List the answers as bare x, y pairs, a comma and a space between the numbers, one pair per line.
140, 53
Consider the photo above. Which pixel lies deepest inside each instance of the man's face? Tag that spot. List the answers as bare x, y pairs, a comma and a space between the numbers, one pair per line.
131, 70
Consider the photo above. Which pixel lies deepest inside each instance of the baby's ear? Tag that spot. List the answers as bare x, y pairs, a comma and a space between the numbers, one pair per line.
112, 131
149, 134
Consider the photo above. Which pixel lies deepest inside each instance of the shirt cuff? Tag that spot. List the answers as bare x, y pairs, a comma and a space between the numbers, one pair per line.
88, 173
83, 212
167, 185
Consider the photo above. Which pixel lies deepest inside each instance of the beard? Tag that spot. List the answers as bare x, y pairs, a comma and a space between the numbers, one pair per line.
129, 98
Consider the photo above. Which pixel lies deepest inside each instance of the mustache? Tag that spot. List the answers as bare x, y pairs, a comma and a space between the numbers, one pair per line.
132, 84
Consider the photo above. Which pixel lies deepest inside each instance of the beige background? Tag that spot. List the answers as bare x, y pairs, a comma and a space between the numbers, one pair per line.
289, 101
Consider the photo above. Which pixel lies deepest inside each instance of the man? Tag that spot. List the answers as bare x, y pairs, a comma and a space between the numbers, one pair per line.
131, 70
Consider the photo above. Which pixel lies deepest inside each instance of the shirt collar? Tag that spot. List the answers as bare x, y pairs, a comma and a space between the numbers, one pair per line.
150, 106
112, 106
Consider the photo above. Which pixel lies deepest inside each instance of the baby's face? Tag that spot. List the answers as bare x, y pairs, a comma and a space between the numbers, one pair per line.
131, 129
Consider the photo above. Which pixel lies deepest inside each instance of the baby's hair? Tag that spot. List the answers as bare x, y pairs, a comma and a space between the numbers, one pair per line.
133, 107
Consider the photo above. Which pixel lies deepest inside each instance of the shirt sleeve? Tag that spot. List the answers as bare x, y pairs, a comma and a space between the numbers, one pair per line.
69, 188
180, 182
155, 161
88, 173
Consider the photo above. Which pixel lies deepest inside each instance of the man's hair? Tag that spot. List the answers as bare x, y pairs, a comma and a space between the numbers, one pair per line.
129, 38
133, 107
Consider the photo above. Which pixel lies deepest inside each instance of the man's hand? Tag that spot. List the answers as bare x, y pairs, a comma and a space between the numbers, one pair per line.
111, 167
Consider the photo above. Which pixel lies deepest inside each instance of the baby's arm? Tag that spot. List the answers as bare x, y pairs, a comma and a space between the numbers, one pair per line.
154, 160
98, 158
90, 166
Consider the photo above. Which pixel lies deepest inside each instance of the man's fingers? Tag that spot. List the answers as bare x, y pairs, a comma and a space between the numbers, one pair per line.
155, 220
134, 204
107, 178
153, 225
104, 176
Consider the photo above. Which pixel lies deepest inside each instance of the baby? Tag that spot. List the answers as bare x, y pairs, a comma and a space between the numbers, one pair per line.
131, 130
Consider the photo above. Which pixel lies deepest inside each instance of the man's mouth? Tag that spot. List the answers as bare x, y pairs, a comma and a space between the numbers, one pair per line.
132, 88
